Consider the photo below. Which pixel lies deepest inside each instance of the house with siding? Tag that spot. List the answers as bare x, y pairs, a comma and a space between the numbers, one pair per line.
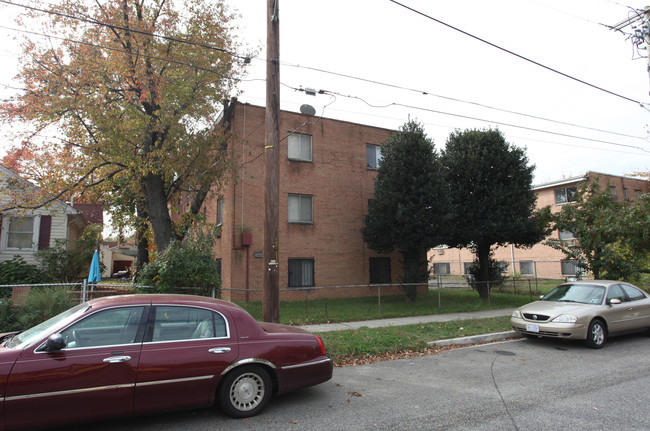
23, 232
541, 260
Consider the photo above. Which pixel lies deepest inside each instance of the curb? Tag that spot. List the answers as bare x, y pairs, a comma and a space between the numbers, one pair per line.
476, 339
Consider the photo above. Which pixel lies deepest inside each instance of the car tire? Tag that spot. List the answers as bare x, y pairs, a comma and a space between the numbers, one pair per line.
245, 391
596, 334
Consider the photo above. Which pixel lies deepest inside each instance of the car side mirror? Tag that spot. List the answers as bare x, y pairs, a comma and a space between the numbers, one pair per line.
614, 301
54, 343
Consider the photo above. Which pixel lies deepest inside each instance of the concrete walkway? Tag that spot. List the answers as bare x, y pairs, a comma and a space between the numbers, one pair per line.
414, 320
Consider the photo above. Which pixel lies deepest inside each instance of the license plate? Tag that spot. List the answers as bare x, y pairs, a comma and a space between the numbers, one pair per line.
532, 327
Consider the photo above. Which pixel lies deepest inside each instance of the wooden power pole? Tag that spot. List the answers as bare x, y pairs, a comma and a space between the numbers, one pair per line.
271, 295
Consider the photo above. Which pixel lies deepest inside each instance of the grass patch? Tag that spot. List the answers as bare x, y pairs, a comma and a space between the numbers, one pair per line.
367, 344
367, 308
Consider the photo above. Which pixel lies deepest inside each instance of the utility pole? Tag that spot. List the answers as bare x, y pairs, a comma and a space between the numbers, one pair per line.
271, 294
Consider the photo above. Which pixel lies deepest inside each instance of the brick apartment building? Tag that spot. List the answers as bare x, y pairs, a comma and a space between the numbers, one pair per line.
541, 260
327, 171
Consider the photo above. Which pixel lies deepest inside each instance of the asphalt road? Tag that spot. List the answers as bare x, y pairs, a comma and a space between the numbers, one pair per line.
516, 385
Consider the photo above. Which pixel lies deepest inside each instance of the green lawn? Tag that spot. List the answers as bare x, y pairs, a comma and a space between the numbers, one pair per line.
367, 345
366, 308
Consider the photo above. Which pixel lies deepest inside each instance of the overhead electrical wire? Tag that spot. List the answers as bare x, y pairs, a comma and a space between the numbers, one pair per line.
248, 58
518, 55
435, 111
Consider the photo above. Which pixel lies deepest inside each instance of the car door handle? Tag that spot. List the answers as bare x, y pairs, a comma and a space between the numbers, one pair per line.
220, 350
117, 359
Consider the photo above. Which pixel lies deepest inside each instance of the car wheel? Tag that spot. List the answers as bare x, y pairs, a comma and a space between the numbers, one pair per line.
596, 334
245, 391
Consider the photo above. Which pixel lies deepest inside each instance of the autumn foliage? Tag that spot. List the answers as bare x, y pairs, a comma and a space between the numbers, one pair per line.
121, 102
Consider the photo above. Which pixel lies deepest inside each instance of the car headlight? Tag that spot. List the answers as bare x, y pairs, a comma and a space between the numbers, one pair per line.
565, 318
516, 314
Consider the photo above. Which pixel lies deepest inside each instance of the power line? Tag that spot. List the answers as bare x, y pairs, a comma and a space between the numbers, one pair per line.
517, 55
435, 111
246, 58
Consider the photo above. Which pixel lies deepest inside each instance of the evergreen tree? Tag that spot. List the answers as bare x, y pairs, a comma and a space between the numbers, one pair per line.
409, 211
492, 196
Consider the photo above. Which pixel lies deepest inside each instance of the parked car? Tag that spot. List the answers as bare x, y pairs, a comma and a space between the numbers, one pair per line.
585, 310
138, 354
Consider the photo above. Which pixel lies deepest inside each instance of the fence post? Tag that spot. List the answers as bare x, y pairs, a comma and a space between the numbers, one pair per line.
83, 290
439, 298
379, 299
489, 294
530, 289
307, 304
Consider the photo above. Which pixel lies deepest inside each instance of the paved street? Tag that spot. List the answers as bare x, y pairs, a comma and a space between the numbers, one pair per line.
515, 385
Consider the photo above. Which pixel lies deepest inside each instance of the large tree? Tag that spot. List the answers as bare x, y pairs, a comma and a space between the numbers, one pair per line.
409, 211
123, 97
611, 238
492, 196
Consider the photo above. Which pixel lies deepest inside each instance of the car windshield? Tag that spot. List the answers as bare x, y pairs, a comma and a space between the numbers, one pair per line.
34, 333
581, 293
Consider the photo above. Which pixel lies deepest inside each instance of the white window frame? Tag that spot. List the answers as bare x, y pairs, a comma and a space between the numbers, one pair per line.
373, 160
563, 196
4, 245
299, 147
298, 205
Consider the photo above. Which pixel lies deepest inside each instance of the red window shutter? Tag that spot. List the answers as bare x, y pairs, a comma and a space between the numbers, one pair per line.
44, 232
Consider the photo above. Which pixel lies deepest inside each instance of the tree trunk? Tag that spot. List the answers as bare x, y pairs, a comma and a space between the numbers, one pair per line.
153, 188
483, 253
413, 272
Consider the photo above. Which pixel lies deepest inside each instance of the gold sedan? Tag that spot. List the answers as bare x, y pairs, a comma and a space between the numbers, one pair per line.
589, 310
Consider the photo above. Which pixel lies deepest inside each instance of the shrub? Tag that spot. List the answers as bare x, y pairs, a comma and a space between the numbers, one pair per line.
183, 264
43, 303
67, 264
17, 271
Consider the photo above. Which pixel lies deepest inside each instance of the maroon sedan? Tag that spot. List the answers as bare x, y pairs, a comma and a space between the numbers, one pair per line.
137, 354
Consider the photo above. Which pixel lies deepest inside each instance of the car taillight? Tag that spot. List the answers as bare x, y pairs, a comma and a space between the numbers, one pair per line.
320, 343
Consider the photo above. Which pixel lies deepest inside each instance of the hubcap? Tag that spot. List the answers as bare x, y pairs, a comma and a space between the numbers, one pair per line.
598, 334
246, 392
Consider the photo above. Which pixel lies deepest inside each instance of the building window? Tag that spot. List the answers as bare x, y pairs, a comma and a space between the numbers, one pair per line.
566, 235
441, 268
626, 194
638, 194
301, 272
565, 195
219, 212
301, 209
373, 156
612, 191
570, 267
526, 267
380, 270
467, 267
300, 147
21, 233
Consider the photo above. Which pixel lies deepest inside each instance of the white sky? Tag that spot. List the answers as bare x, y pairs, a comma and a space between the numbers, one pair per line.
378, 40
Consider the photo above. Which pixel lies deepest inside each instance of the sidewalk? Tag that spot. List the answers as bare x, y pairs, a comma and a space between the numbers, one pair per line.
414, 320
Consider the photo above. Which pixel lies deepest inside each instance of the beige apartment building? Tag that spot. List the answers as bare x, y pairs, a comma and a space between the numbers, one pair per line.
327, 172
541, 260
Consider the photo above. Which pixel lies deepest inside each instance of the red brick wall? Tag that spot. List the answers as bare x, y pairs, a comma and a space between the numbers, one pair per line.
340, 184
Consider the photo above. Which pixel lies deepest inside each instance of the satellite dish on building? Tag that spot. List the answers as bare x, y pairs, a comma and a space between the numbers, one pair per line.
307, 110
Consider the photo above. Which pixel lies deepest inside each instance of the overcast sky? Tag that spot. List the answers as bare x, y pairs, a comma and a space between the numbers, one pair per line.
375, 53
381, 63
